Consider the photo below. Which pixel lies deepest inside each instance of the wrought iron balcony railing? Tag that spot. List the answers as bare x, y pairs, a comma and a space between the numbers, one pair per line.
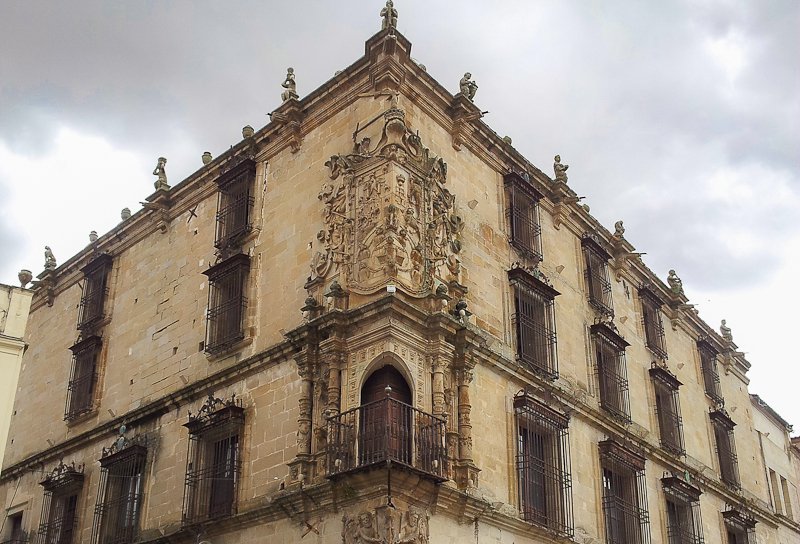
387, 430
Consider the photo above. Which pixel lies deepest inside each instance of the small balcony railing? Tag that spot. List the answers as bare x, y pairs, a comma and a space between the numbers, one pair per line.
386, 430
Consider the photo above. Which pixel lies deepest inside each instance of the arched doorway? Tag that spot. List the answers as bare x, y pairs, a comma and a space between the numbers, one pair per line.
386, 418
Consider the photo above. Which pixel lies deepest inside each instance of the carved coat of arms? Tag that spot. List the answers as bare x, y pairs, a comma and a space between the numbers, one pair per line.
389, 219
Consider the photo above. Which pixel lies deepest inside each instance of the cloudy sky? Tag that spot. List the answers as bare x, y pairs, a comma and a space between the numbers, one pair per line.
679, 117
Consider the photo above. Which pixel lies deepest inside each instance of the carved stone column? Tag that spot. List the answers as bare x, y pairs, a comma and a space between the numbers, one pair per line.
466, 473
299, 468
437, 387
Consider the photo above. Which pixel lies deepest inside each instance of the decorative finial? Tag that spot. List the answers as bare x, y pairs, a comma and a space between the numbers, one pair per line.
560, 169
389, 15
93, 236
207, 158
25, 276
247, 131
725, 331
160, 171
125, 214
290, 85
468, 87
675, 283
619, 229
49, 259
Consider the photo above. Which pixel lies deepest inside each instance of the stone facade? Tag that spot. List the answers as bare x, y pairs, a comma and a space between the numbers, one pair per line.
376, 228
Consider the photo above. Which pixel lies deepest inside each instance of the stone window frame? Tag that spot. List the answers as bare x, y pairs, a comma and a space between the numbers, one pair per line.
522, 211
725, 445
535, 339
544, 479
120, 495
740, 526
235, 201
83, 379
611, 371
625, 513
60, 509
651, 321
598, 283
684, 523
709, 369
668, 409
95, 292
227, 304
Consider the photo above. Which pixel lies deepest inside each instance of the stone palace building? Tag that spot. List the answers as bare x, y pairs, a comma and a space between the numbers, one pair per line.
373, 320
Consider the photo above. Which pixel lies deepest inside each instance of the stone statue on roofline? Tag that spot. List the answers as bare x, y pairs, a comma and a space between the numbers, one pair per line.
725, 331
49, 259
289, 85
161, 172
619, 229
468, 87
675, 283
389, 15
560, 169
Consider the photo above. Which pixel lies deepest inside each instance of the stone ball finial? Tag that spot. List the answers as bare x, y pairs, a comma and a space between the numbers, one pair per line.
207, 158
125, 214
25, 276
247, 131
93, 236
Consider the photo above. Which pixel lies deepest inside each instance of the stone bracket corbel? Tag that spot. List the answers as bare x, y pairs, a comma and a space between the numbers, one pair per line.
290, 115
47, 285
159, 203
463, 113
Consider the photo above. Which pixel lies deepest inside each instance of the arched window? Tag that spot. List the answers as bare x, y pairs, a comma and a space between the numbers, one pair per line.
386, 421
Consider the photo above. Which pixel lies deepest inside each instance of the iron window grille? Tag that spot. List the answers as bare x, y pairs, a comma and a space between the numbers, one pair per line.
95, 290
708, 364
609, 348
543, 465
726, 451
684, 523
83, 377
651, 320
523, 215
227, 303
59, 519
120, 495
624, 495
213, 469
235, 205
597, 283
740, 527
668, 410
534, 323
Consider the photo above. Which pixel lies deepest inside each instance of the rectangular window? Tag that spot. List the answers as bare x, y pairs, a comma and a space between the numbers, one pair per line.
543, 465
15, 533
651, 320
668, 409
120, 495
787, 504
523, 215
776, 494
598, 285
60, 505
235, 205
95, 290
624, 495
708, 364
684, 525
83, 377
609, 351
534, 322
726, 452
226, 303
739, 527
214, 466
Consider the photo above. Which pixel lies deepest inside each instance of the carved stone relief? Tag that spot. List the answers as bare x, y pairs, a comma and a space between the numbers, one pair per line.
359, 360
388, 217
386, 525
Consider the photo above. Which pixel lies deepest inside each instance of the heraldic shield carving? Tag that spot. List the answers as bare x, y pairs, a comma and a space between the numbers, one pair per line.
389, 219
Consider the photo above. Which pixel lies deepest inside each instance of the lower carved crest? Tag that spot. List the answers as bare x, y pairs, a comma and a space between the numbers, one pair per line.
386, 525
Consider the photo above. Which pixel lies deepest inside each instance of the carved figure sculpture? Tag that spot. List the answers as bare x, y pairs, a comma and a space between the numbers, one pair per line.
413, 529
619, 229
49, 259
161, 172
289, 85
467, 86
560, 169
675, 283
389, 15
725, 331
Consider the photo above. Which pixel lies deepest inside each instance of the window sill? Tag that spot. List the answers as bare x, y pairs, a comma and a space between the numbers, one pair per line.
232, 349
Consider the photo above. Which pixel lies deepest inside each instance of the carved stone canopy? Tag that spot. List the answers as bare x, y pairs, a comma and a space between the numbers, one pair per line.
215, 411
388, 217
63, 476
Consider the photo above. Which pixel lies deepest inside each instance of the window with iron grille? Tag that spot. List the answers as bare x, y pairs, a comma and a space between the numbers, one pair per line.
684, 524
740, 527
609, 351
598, 285
226, 303
235, 205
708, 364
543, 465
95, 289
624, 495
83, 377
60, 506
651, 320
214, 464
534, 323
726, 452
668, 410
120, 495
523, 215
